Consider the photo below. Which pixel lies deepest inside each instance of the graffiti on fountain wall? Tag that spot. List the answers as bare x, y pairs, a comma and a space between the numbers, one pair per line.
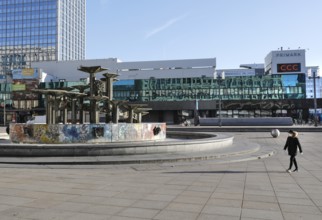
86, 133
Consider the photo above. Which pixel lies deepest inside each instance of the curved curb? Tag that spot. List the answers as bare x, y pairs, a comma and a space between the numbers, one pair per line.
218, 154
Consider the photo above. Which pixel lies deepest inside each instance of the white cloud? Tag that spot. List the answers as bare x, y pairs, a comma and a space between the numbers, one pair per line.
164, 26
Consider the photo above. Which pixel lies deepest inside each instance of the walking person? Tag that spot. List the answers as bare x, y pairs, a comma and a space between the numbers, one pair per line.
293, 145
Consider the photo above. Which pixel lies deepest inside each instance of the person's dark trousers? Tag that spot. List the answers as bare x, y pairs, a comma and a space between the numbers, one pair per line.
293, 160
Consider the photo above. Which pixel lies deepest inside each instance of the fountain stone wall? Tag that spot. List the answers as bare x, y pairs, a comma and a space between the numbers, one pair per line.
86, 133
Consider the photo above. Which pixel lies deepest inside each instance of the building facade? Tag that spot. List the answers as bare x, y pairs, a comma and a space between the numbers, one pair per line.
311, 71
37, 31
40, 30
285, 62
177, 89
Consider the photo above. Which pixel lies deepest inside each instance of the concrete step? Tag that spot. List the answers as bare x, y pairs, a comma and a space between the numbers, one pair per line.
236, 152
181, 142
298, 128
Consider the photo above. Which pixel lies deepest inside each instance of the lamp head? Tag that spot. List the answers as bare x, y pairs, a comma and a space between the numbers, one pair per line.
215, 75
223, 75
220, 75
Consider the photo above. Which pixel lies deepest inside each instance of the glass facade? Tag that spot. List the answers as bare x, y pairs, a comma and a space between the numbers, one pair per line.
271, 87
35, 31
40, 30
59, 85
72, 26
242, 96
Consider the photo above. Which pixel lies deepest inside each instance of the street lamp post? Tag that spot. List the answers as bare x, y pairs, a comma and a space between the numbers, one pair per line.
314, 77
220, 78
4, 101
4, 110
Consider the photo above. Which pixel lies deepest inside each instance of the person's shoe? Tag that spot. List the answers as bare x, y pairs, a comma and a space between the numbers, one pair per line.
296, 170
289, 170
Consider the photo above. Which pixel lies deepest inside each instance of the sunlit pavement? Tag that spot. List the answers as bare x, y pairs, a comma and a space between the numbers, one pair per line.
255, 189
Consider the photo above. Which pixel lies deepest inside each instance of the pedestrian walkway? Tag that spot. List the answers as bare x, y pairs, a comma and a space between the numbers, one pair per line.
252, 189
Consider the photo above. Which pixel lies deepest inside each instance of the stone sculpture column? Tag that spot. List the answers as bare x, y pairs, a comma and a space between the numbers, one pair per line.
109, 79
92, 70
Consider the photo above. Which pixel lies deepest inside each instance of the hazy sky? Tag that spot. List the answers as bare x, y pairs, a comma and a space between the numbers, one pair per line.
234, 31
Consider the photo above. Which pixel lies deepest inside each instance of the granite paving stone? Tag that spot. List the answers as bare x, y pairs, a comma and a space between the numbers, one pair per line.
221, 217
5, 207
227, 188
42, 203
139, 213
118, 202
300, 209
102, 209
49, 214
71, 206
261, 214
220, 195
301, 216
160, 197
169, 214
261, 205
87, 216
295, 201
115, 217
184, 207
88, 199
225, 202
257, 198
149, 204
191, 199
221, 210
19, 212
14, 200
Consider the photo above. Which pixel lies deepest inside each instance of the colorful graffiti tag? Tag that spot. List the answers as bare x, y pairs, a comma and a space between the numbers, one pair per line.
86, 133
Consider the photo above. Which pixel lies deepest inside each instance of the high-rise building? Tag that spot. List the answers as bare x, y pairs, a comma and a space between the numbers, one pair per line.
40, 30
35, 31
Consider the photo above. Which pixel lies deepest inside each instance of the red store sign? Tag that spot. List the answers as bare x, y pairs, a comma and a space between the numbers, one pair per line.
289, 67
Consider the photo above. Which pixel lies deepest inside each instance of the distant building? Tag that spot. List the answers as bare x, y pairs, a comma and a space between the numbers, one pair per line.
310, 84
40, 30
177, 90
285, 62
37, 31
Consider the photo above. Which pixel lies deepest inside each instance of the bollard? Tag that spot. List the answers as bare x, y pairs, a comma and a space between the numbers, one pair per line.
275, 133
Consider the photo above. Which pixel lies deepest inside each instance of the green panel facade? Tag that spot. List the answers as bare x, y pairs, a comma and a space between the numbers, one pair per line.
272, 87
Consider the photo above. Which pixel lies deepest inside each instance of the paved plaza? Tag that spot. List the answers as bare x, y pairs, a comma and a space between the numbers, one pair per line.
210, 189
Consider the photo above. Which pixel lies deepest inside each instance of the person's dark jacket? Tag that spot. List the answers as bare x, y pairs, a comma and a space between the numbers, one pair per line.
292, 143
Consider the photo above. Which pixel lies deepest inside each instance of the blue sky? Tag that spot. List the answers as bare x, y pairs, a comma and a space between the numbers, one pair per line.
234, 31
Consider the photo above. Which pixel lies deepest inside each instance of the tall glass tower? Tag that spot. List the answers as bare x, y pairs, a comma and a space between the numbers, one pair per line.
40, 30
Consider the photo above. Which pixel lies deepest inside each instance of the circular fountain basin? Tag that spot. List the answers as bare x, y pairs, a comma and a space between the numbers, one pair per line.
176, 142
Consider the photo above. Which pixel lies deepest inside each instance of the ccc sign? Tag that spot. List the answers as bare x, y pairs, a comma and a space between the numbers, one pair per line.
289, 67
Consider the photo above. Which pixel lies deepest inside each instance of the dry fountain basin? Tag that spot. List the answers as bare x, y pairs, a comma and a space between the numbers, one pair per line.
108, 140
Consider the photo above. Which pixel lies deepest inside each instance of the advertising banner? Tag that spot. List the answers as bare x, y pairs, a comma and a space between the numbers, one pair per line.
21, 89
28, 73
288, 67
18, 87
287, 62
